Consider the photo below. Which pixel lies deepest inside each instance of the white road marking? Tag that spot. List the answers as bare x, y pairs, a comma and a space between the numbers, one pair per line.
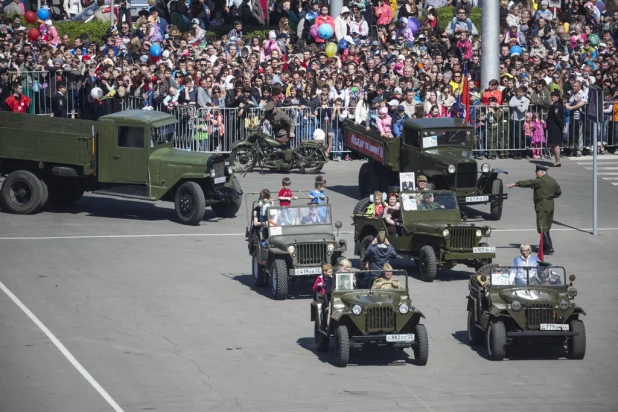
615, 184
607, 173
63, 350
610, 178
604, 168
599, 158
163, 235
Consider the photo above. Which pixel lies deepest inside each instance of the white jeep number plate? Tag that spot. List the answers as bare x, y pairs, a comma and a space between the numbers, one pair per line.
408, 337
219, 180
554, 326
485, 249
477, 198
308, 271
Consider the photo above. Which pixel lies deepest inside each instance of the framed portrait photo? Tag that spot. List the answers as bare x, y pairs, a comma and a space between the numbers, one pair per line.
407, 183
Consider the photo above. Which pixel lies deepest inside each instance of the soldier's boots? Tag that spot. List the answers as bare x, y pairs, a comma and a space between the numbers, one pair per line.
548, 247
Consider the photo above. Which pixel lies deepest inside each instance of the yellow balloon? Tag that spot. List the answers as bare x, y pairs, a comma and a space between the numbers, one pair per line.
331, 49
566, 28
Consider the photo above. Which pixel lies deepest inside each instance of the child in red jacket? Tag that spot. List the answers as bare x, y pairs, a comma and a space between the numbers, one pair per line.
323, 284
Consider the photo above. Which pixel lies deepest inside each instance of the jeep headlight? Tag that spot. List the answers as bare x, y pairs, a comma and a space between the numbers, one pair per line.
291, 249
479, 233
516, 306
330, 247
446, 232
564, 305
572, 292
356, 309
403, 309
452, 169
485, 168
230, 170
487, 230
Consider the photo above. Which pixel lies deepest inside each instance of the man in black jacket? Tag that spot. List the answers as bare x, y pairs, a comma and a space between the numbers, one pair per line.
59, 101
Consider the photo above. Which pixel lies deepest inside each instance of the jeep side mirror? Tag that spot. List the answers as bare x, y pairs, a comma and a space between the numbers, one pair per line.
572, 278
339, 225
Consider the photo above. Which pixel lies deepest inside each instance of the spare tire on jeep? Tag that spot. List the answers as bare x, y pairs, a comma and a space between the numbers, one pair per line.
361, 206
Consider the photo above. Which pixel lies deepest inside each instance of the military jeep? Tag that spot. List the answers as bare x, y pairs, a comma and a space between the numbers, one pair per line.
432, 233
510, 304
292, 248
358, 316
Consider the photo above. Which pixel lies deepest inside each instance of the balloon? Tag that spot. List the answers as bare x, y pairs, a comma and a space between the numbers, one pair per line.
313, 31
33, 34
594, 39
515, 49
30, 17
414, 24
155, 59
331, 49
599, 5
566, 28
155, 50
343, 44
325, 31
43, 14
96, 92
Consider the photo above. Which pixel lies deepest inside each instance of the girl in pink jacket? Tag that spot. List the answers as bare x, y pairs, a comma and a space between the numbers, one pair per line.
384, 123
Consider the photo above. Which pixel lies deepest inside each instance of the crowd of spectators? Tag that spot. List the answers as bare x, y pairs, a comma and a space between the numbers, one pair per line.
382, 73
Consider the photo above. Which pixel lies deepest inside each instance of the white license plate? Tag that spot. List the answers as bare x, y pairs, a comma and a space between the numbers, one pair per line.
219, 180
477, 199
308, 271
485, 249
554, 326
408, 337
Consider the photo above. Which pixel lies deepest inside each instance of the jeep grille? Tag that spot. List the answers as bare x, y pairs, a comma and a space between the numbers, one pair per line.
538, 313
311, 253
380, 318
466, 175
463, 237
219, 169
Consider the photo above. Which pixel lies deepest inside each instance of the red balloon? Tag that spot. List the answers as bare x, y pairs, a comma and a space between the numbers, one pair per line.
34, 34
155, 59
30, 17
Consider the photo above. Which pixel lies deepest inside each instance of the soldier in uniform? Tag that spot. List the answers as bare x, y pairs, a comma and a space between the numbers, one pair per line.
428, 203
545, 277
386, 281
59, 101
283, 127
546, 189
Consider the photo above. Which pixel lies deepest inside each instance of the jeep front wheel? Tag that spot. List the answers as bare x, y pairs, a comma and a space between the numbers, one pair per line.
229, 208
260, 279
342, 346
428, 267
576, 345
475, 336
496, 341
279, 279
496, 205
320, 338
190, 203
421, 345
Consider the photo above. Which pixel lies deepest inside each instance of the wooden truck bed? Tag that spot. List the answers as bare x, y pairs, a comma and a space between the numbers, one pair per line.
371, 144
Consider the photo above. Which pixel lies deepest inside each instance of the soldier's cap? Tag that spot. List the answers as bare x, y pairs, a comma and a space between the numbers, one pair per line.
422, 178
544, 264
387, 266
381, 237
541, 168
270, 106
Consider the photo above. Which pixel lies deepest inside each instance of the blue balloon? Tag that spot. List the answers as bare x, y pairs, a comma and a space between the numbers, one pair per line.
343, 44
325, 31
515, 49
43, 14
155, 50
414, 24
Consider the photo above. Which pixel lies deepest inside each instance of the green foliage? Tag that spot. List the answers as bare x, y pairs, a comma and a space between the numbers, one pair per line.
95, 29
248, 32
445, 15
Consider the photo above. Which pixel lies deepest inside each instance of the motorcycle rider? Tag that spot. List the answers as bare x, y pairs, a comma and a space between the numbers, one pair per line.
282, 125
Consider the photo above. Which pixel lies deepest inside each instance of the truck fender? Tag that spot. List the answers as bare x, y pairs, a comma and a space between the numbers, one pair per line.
578, 311
417, 312
497, 171
471, 303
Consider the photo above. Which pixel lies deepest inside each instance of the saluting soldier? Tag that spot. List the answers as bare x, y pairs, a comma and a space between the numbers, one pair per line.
59, 101
546, 189
282, 125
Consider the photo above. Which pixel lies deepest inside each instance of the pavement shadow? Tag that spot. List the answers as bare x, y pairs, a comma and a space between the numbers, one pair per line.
519, 350
541, 162
349, 191
247, 281
296, 290
370, 356
117, 208
570, 227
475, 215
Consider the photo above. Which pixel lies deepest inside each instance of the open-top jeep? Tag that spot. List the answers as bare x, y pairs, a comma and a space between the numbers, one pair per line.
506, 304
293, 246
441, 149
358, 315
432, 233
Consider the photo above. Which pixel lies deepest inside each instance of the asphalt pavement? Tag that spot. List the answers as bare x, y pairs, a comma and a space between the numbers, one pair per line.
165, 317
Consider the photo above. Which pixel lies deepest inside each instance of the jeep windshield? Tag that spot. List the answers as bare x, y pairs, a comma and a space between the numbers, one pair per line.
370, 280
428, 200
437, 138
528, 276
299, 216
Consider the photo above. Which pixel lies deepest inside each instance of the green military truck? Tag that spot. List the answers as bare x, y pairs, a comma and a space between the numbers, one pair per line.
441, 149
53, 161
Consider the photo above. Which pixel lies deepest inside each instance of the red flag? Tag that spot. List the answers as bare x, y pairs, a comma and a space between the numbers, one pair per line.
540, 252
465, 97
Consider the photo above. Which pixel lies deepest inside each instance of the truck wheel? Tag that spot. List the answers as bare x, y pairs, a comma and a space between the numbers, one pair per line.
64, 171
496, 205
428, 267
475, 336
321, 340
342, 346
362, 206
421, 345
279, 279
44, 195
364, 245
190, 203
496, 341
576, 345
243, 157
260, 279
21, 193
229, 208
